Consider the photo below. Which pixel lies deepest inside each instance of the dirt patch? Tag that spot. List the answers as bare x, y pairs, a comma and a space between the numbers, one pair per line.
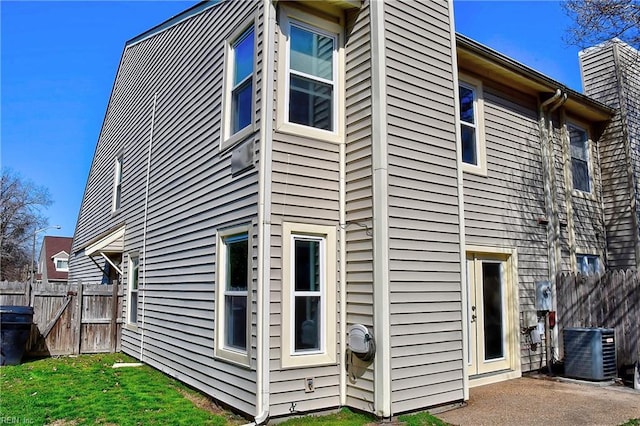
207, 404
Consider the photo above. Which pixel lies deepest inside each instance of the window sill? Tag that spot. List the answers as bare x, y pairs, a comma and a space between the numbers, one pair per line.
584, 195
475, 170
300, 361
239, 359
131, 327
236, 139
310, 132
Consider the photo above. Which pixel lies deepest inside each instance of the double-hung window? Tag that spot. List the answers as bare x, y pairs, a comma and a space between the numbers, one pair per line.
239, 82
471, 125
117, 183
579, 149
233, 295
588, 264
309, 300
132, 299
310, 98
312, 60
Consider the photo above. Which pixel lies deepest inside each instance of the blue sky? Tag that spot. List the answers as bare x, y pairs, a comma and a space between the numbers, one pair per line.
59, 59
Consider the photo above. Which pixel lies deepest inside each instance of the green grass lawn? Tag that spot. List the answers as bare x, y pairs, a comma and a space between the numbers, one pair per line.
86, 390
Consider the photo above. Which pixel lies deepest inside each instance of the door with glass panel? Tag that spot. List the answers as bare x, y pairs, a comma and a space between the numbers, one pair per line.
489, 325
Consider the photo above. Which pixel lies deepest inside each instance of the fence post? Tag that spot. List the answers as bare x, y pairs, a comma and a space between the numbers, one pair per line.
114, 317
78, 331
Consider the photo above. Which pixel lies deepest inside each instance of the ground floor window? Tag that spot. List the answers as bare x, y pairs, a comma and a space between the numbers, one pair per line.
309, 300
232, 325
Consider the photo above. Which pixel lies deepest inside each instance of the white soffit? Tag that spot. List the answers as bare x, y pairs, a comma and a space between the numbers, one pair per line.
111, 243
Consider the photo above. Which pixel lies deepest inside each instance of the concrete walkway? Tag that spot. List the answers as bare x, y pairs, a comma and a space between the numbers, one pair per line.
533, 401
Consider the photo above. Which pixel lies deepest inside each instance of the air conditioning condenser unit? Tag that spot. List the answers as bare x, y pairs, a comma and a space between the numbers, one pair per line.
590, 353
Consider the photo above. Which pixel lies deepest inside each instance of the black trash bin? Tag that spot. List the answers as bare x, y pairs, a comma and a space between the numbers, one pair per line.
15, 327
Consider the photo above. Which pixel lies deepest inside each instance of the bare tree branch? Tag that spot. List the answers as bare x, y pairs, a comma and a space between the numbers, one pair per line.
21, 203
599, 21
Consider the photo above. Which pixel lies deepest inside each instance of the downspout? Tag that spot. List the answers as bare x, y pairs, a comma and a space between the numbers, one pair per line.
461, 227
553, 228
144, 226
343, 262
379, 158
546, 132
264, 214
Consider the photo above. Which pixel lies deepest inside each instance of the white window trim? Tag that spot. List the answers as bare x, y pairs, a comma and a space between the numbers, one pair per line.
327, 352
55, 264
116, 201
227, 139
577, 192
221, 351
325, 27
587, 252
131, 256
478, 110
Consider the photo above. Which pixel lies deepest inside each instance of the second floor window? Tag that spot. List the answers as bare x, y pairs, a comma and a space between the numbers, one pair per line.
579, 149
468, 124
242, 52
312, 57
117, 185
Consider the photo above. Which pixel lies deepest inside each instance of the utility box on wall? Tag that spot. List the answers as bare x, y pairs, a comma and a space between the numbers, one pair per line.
543, 295
590, 353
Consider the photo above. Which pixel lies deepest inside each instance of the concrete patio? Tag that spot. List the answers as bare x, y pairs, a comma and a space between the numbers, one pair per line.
546, 401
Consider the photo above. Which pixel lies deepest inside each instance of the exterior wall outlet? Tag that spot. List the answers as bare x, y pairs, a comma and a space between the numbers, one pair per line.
308, 385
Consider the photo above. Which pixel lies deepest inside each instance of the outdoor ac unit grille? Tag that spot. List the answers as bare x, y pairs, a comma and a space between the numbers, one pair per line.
590, 353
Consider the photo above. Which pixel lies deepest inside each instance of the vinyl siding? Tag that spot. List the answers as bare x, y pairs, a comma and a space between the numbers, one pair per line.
600, 80
359, 197
192, 194
502, 208
305, 189
424, 249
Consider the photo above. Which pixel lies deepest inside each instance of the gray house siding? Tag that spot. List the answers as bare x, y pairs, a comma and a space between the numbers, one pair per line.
502, 209
424, 242
191, 195
604, 73
359, 194
305, 189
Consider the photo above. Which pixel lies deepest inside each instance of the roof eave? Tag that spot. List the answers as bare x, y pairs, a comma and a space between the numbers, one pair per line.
577, 102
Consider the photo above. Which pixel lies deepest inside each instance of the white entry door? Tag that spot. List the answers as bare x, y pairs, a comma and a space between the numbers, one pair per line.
489, 317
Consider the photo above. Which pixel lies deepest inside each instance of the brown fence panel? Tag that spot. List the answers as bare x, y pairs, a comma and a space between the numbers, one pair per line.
96, 326
13, 293
70, 318
611, 300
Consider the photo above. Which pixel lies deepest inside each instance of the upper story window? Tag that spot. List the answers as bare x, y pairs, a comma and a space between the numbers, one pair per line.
311, 77
309, 302
62, 265
310, 92
588, 264
232, 294
579, 149
117, 183
239, 98
472, 126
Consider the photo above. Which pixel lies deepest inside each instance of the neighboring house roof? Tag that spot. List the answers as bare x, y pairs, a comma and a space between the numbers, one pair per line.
56, 247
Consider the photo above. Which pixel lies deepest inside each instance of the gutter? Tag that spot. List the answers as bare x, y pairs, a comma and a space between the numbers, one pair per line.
472, 46
264, 215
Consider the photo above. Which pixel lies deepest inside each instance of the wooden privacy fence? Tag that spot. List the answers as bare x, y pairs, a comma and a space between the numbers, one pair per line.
69, 318
611, 300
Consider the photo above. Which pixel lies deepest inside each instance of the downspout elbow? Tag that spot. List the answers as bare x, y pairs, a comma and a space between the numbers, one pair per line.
552, 99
